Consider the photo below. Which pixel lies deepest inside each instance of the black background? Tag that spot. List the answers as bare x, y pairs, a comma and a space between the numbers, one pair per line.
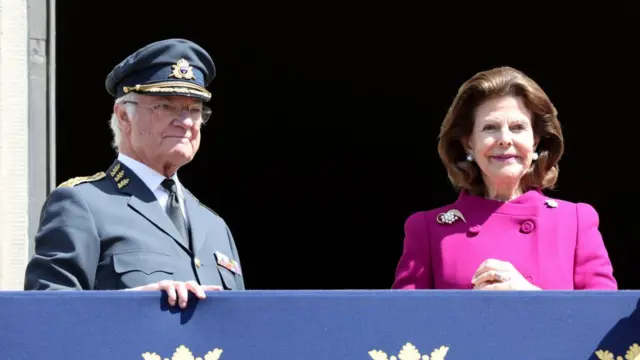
324, 132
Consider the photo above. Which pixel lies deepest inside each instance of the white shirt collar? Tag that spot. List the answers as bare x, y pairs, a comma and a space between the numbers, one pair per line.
149, 177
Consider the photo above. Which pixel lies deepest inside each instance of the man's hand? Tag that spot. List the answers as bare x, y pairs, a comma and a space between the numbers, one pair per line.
178, 291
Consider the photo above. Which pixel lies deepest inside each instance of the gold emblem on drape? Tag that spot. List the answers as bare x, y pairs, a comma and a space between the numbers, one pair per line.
183, 353
632, 354
410, 352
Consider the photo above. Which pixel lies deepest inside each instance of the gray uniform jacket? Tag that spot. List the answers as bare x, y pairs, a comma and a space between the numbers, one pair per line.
108, 232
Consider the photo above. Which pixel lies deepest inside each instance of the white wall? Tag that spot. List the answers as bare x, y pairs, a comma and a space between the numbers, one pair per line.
27, 131
14, 144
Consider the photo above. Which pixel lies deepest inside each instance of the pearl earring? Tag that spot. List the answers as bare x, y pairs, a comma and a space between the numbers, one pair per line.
469, 157
534, 156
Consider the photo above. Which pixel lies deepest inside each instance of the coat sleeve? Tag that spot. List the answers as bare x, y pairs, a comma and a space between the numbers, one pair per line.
592, 267
67, 247
414, 267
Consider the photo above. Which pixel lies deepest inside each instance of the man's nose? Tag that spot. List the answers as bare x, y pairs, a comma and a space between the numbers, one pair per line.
185, 120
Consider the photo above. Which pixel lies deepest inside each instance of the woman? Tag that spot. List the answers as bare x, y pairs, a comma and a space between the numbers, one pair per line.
500, 143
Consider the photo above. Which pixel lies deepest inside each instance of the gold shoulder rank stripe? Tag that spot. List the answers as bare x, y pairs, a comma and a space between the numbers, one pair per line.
82, 179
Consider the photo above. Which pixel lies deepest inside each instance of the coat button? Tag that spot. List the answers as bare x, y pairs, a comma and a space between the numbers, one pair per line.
527, 227
474, 230
197, 262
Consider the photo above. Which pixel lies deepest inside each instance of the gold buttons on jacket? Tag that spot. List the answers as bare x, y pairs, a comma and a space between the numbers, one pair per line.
197, 262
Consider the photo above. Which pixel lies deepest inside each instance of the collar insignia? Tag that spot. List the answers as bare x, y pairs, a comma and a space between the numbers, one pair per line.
119, 177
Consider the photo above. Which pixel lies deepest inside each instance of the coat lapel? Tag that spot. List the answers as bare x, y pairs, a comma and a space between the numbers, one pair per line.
197, 216
142, 200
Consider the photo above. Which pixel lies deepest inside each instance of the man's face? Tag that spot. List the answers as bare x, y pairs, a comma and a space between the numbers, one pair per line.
165, 131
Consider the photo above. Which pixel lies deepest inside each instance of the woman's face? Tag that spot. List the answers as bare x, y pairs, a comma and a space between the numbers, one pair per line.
502, 141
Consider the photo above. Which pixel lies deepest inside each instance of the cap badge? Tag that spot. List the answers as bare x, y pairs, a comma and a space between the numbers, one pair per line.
182, 70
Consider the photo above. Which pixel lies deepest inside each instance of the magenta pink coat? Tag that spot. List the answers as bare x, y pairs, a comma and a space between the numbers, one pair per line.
555, 244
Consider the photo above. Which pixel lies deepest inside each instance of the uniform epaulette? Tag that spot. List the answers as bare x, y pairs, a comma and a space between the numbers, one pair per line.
82, 179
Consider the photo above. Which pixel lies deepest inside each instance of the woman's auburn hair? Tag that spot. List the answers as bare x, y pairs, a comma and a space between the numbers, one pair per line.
459, 121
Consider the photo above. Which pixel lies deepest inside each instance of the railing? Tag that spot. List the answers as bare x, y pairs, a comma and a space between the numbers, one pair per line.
327, 325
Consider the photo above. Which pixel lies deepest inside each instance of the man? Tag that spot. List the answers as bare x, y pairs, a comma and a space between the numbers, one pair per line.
135, 226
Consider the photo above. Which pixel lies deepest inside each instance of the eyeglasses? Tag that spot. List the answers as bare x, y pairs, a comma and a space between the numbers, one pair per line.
196, 112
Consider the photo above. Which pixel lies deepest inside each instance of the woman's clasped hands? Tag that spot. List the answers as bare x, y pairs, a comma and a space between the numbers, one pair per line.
495, 274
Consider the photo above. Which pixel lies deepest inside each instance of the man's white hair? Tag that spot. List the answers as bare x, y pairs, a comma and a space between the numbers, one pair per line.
114, 123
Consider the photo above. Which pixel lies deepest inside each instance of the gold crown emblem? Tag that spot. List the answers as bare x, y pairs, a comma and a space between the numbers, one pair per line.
182, 70
632, 354
409, 352
183, 353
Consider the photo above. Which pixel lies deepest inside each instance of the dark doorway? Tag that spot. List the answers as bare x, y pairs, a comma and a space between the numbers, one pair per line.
324, 132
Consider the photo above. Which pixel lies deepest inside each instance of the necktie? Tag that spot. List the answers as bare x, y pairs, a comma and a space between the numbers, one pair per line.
174, 211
